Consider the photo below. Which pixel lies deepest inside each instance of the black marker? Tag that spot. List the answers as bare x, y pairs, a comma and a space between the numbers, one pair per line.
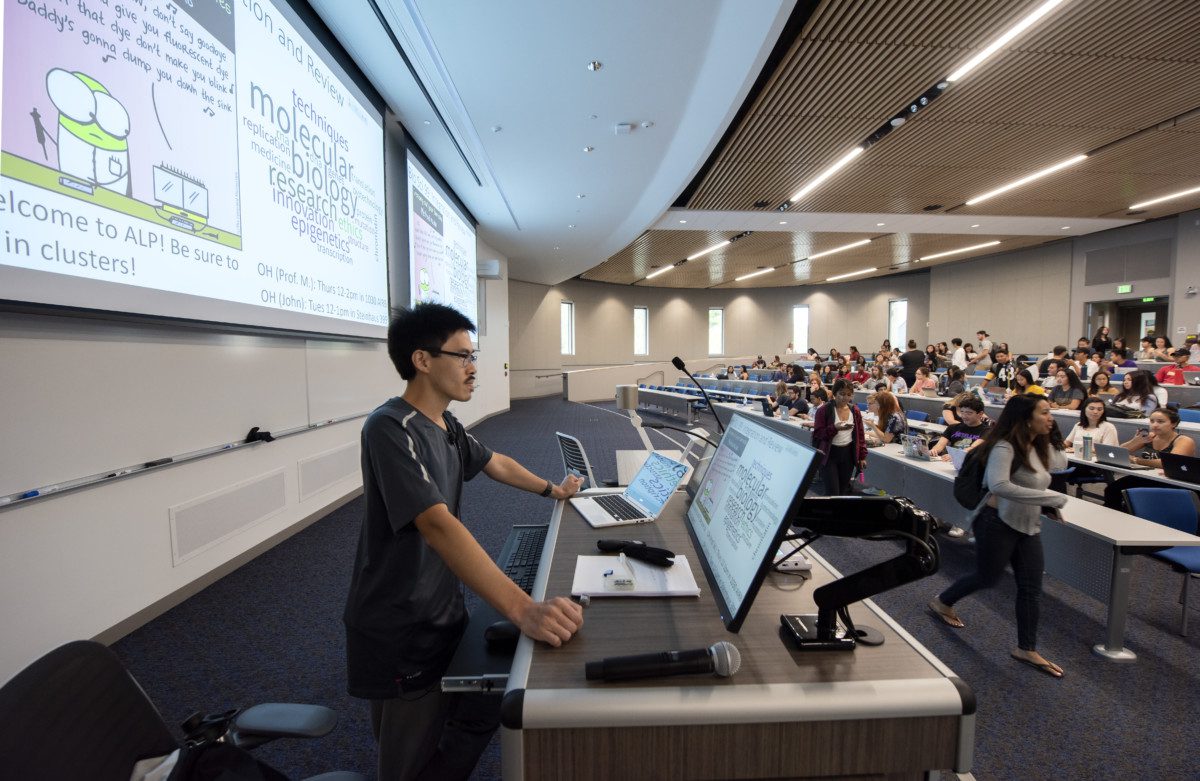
157, 462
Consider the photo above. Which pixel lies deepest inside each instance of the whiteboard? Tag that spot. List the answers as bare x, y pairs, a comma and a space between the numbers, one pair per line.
83, 396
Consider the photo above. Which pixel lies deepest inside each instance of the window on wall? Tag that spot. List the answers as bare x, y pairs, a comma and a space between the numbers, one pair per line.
566, 314
641, 330
800, 329
716, 332
898, 322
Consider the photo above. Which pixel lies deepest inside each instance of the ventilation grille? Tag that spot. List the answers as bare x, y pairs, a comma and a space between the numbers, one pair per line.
202, 523
324, 469
1111, 265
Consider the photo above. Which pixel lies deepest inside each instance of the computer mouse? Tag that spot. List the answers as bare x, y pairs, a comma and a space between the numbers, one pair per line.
501, 633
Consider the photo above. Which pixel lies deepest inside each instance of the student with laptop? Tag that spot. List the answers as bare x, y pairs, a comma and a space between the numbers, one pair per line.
1093, 422
924, 383
1145, 447
1019, 458
889, 423
1174, 375
405, 610
965, 434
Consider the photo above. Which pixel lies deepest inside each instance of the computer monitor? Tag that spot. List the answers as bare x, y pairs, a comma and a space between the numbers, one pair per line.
745, 502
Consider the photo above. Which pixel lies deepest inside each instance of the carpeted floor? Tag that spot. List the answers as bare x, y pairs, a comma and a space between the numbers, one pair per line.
272, 631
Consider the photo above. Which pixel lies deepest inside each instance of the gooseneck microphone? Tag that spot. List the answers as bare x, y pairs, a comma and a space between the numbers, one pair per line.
677, 362
721, 659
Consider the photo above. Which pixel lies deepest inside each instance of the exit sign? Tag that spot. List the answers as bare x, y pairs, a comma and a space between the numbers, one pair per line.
1148, 300
1124, 288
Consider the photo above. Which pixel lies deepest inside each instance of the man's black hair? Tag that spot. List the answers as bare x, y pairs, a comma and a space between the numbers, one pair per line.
972, 403
1059, 349
956, 342
424, 327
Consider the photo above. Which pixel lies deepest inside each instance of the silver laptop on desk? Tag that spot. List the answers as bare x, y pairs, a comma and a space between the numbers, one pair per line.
915, 447
641, 502
1114, 455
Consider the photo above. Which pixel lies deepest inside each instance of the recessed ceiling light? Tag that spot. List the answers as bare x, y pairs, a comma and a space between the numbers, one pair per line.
647, 124
662, 270
496, 128
581, 195
1027, 179
595, 65
571, 226
842, 162
427, 122
843, 248
1008, 35
976, 225
556, 248
702, 253
1066, 227
758, 273
960, 249
783, 222
880, 224
1152, 201
852, 274
588, 148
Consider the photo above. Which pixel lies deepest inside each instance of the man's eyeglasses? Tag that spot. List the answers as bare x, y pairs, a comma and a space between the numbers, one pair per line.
467, 358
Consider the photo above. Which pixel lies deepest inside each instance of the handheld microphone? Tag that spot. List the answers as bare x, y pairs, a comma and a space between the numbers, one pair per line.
721, 659
677, 362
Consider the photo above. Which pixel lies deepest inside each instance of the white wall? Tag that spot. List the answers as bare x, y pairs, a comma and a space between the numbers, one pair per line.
1185, 309
79, 563
756, 322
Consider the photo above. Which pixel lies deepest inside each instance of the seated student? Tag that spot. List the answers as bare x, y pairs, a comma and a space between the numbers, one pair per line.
779, 392
814, 393
835, 356
796, 375
924, 381
788, 399
743, 373
855, 356
950, 408
876, 376
1102, 385
1023, 384
895, 382
1002, 371
859, 376
1162, 349
1051, 378
828, 373
967, 432
886, 346
954, 382
1160, 393
931, 356
1068, 393
1082, 364
1137, 394
1119, 344
1160, 437
813, 355
775, 363
1094, 421
1174, 375
1193, 347
1083, 343
1146, 353
1120, 360
1057, 356
889, 423
943, 350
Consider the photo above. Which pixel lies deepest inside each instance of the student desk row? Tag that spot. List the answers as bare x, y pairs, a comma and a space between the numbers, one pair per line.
893, 710
1091, 549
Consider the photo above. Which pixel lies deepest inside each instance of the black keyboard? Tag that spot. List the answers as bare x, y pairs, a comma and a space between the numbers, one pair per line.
522, 553
619, 507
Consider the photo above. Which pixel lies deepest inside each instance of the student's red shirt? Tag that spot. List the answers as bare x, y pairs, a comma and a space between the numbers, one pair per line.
1173, 375
859, 377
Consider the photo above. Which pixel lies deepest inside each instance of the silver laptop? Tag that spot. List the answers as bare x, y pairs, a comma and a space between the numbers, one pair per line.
1116, 456
930, 393
915, 447
641, 502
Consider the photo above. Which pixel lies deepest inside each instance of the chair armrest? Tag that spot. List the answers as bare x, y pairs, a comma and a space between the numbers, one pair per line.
262, 723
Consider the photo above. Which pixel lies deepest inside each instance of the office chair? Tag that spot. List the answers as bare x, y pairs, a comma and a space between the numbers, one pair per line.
917, 415
1178, 508
78, 713
574, 458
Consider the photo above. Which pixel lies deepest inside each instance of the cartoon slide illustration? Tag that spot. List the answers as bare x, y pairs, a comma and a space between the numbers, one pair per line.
93, 126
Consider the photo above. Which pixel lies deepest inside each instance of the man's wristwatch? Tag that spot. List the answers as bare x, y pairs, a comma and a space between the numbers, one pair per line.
549, 489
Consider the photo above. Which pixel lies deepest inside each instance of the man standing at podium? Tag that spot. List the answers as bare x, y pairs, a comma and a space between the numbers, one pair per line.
405, 614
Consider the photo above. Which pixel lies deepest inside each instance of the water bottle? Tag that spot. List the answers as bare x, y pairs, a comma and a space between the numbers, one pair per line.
1085, 449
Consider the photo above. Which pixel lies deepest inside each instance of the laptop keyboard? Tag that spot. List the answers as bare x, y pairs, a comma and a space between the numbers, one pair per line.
522, 553
619, 507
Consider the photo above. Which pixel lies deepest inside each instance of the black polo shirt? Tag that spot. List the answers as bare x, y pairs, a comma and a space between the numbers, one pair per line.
405, 614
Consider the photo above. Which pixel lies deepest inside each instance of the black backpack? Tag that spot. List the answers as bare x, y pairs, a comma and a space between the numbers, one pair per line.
969, 484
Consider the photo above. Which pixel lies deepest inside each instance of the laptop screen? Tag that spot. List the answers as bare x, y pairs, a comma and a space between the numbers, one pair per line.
751, 491
655, 481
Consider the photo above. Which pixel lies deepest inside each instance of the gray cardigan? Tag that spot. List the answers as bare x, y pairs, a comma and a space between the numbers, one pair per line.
1019, 498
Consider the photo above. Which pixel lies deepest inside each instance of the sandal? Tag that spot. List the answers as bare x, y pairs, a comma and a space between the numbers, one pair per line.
1047, 667
947, 615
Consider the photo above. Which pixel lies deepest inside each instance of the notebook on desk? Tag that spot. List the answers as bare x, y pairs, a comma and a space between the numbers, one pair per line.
641, 502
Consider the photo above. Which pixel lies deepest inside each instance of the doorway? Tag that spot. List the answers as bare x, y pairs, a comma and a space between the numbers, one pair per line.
1129, 318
